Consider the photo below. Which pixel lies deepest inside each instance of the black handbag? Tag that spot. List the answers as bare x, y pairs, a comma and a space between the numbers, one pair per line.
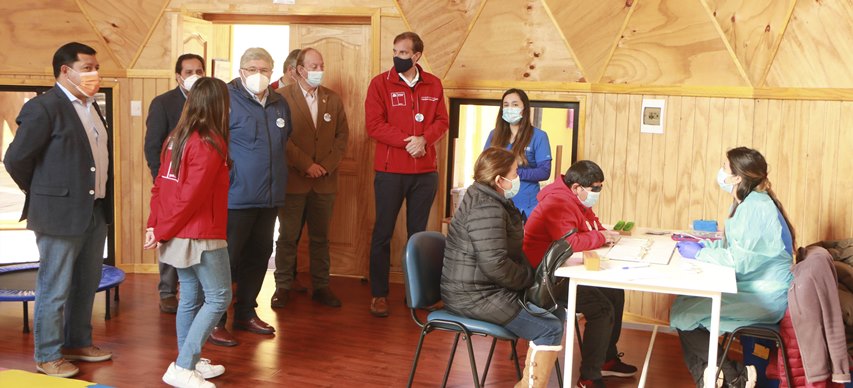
546, 287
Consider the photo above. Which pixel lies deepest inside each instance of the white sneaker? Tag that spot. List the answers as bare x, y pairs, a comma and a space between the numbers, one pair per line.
751, 376
207, 369
185, 378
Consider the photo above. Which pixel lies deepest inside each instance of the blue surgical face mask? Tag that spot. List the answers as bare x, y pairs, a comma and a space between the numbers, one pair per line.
511, 115
315, 78
516, 185
591, 198
721, 180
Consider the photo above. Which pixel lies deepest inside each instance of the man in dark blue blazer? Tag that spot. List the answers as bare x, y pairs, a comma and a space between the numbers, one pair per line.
163, 116
60, 157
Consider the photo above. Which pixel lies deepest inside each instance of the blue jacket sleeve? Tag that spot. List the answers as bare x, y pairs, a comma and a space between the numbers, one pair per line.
489, 140
538, 169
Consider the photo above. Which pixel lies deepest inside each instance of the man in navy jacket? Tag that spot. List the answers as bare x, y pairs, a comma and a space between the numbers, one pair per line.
260, 126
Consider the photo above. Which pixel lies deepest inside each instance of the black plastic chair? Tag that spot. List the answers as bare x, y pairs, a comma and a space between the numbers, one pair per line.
761, 331
422, 264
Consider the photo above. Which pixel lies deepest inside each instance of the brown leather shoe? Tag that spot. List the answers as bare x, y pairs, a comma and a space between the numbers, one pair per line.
88, 354
298, 287
169, 304
325, 296
280, 298
379, 307
254, 325
221, 337
57, 368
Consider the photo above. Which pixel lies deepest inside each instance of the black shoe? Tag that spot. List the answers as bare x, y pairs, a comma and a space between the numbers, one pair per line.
617, 368
279, 298
325, 296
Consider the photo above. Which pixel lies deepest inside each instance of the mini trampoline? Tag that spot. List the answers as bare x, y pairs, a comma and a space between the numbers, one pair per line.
18, 283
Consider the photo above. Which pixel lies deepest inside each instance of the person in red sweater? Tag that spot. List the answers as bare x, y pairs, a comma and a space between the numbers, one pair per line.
188, 223
566, 204
405, 113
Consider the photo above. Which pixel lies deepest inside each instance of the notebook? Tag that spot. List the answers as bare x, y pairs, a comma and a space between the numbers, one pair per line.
652, 251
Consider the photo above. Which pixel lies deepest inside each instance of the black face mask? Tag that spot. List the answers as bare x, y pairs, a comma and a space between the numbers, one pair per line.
403, 65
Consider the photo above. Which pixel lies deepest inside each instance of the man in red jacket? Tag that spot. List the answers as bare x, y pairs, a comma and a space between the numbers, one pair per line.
563, 205
406, 115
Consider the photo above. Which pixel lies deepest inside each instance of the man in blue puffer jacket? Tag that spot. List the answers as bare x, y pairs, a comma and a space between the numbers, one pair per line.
260, 126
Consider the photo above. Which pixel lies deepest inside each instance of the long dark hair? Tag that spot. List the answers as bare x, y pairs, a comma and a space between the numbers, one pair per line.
751, 167
205, 112
525, 128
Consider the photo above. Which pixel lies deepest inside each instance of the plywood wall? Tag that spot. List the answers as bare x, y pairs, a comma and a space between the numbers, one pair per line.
665, 181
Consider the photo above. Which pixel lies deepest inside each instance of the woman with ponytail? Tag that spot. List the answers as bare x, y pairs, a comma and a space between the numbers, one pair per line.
759, 242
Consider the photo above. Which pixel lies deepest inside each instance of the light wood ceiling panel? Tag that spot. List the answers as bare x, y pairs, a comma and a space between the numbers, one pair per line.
672, 42
754, 29
591, 28
123, 24
515, 40
157, 52
267, 6
32, 31
817, 49
442, 32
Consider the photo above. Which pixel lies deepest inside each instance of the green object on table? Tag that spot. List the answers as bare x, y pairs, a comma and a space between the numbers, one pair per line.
628, 226
619, 225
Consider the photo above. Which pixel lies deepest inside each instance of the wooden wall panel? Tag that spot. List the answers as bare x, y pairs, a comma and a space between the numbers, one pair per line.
124, 25
33, 30
754, 29
390, 28
674, 177
672, 42
803, 142
135, 176
515, 40
591, 28
442, 32
814, 52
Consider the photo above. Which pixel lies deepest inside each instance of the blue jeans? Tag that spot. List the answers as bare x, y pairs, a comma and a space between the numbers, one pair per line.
205, 295
546, 330
68, 277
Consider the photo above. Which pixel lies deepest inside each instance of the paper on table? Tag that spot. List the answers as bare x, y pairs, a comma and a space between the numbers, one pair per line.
637, 249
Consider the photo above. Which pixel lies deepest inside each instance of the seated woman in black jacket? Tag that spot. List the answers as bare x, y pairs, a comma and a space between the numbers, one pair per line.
485, 268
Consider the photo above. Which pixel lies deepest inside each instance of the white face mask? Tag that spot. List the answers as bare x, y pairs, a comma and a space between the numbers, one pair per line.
511, 115
721, 180
256, 83
315, 78
512, 191
591, 198
190, 81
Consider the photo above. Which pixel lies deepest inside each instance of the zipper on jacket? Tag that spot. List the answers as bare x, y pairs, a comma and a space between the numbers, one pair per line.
269, 141
414, 123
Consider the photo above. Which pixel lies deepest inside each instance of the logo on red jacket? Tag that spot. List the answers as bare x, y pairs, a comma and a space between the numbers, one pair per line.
398, 99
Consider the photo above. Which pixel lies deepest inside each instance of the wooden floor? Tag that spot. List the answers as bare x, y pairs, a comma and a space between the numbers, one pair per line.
315, 346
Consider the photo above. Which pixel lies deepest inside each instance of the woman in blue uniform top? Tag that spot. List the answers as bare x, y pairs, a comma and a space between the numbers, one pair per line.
514, 132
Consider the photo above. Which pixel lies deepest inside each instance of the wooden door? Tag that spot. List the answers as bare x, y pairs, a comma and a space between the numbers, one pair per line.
193, 36
346, 53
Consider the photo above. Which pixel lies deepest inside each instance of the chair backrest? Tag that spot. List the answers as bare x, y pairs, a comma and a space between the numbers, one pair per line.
422, 263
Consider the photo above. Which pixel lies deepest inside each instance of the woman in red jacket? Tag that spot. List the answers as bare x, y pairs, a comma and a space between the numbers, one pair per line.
189, 208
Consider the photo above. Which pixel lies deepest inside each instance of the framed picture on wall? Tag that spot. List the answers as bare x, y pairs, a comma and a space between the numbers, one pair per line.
221, 68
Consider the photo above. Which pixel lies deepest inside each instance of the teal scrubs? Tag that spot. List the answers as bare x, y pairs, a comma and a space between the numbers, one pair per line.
757, 246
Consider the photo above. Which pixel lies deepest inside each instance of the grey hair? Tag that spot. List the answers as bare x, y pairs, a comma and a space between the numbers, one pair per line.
254, 53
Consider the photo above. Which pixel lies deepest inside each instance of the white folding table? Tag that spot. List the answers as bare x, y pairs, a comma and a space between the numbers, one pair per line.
680, 277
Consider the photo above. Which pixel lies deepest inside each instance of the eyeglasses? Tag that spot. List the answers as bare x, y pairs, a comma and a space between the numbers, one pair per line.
595, 189
255, 70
